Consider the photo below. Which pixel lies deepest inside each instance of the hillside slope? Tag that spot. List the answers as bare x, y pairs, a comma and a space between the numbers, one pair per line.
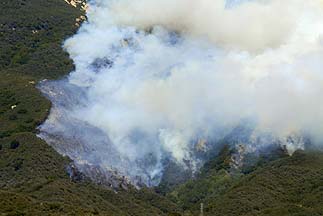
291, 185
34, 179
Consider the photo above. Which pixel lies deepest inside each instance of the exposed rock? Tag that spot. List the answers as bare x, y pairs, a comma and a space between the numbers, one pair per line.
78, 3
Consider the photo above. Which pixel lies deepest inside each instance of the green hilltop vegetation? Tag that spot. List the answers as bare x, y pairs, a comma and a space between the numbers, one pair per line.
276, 186
34, 178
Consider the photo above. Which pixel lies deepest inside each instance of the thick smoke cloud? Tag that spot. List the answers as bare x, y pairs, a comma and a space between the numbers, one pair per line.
253, 25
160, 76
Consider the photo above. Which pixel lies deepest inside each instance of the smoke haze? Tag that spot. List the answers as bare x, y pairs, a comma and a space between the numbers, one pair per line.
155, 77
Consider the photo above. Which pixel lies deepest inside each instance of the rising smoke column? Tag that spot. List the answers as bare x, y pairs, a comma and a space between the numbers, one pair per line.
155, 77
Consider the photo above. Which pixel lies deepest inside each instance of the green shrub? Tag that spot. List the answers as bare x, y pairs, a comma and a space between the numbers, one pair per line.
17, 164
14, 144
22, 111
13, 117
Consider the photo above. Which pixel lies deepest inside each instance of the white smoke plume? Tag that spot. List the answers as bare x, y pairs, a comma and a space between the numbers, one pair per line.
156, 76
